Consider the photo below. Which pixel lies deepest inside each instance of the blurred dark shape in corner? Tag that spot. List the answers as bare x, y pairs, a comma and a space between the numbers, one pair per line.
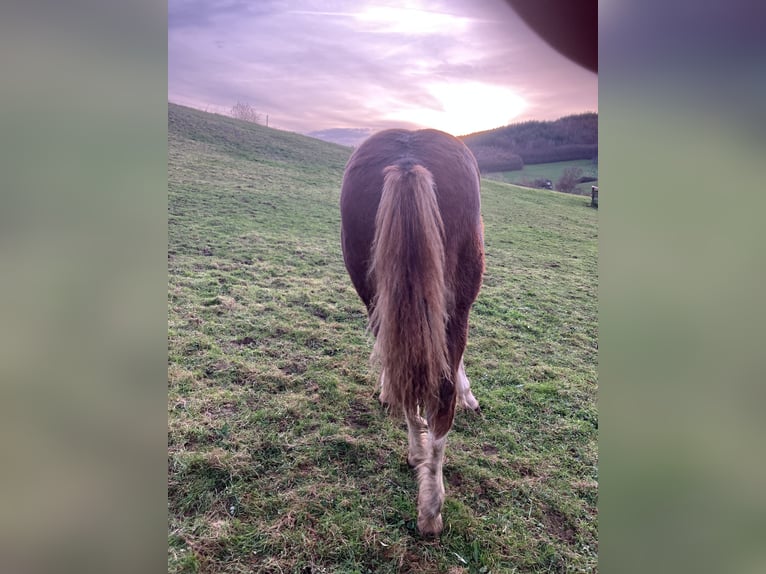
569, 26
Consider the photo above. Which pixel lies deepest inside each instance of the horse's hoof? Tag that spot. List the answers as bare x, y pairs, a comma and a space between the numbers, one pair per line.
430, 526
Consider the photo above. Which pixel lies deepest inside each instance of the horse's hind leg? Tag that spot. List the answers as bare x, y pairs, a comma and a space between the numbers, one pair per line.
465, 396
430, 468
431, 487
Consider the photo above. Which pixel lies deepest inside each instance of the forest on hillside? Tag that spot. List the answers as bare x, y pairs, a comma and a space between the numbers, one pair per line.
513, 146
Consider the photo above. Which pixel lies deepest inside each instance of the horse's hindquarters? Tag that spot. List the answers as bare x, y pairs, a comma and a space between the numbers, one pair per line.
412, 243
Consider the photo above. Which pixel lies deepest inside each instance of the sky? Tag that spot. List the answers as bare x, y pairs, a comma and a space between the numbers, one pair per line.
356, 67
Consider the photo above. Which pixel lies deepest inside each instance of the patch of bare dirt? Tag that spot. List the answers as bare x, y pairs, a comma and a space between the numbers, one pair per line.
523, 469
358, 416
558, 525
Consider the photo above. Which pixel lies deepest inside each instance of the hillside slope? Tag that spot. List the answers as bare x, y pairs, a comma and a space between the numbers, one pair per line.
251, 141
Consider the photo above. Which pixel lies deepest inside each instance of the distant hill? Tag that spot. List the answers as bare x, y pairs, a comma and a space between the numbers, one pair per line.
511, 147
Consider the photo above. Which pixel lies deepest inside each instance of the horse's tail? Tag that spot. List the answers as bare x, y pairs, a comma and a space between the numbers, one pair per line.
409, 312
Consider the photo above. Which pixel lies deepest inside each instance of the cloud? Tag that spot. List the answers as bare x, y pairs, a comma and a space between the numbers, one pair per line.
316, 65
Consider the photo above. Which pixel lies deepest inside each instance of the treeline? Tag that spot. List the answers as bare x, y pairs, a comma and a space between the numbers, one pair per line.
511, 147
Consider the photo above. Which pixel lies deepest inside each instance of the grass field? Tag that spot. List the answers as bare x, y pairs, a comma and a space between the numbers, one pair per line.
280, 458
551, 171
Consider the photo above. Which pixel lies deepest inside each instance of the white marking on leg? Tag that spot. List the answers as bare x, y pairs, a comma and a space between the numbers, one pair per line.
431, 487
383, 398
465, 395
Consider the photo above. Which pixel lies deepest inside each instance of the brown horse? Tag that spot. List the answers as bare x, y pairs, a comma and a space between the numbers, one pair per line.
413, 245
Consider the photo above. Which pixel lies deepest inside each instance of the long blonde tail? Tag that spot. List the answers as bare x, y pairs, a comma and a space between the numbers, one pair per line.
409, 316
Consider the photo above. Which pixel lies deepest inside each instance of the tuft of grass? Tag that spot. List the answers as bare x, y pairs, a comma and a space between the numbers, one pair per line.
280, 458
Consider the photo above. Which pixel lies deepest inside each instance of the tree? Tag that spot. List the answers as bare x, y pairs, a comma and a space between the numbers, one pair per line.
245, 111
569, 179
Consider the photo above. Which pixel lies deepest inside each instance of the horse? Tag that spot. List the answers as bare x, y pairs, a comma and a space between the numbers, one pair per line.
413, 244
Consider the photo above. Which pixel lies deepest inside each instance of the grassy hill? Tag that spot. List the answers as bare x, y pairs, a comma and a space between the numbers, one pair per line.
251, 141
280, 457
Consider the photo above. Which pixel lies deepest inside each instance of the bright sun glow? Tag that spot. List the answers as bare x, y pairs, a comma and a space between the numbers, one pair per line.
466, 107
410, 21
